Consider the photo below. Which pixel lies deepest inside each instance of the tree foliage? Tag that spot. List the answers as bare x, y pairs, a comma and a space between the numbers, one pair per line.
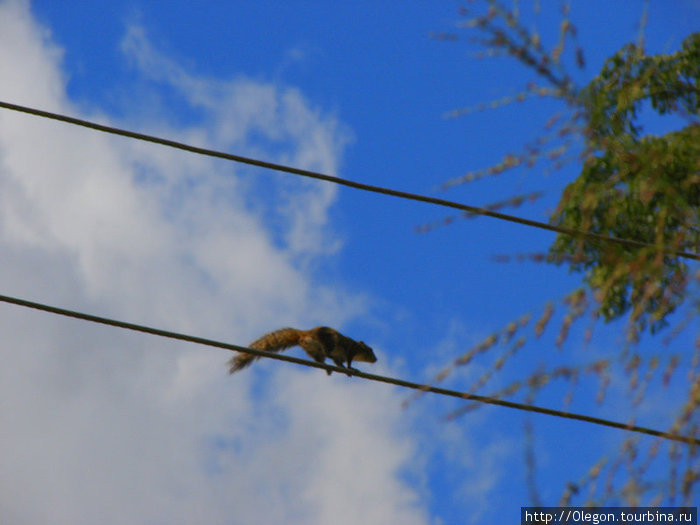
631, 185
636, 186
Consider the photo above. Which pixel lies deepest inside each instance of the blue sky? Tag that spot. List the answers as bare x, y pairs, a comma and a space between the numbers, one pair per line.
145, 431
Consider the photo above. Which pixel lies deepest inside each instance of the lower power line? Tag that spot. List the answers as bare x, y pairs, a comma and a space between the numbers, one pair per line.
357, 373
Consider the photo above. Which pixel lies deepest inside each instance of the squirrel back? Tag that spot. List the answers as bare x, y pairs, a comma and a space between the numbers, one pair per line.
319, 343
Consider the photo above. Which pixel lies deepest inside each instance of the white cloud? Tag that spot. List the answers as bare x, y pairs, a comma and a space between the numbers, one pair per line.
243, 108
348, 429
103, 426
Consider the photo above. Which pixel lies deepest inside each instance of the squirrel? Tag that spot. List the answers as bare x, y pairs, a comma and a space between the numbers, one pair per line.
320, 342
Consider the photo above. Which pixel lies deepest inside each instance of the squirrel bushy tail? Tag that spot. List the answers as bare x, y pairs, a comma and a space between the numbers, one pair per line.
273, 342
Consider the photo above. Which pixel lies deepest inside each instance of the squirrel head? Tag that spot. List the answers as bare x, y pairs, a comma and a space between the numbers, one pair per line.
365, 354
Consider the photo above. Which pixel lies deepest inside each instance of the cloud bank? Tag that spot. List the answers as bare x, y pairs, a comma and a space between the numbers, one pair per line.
103, 426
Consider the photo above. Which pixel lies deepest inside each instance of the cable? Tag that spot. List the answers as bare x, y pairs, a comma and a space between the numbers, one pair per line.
357, 373
338, 180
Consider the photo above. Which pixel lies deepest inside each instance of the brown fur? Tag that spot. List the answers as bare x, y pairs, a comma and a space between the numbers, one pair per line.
319, 343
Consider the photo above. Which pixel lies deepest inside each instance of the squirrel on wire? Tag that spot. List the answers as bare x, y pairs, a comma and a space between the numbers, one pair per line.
320, 342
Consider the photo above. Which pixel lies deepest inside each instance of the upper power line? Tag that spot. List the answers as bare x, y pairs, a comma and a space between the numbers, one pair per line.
344, 182
357, 373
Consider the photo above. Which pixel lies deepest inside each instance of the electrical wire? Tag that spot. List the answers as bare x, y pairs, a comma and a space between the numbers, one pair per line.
353, 372
341, 181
